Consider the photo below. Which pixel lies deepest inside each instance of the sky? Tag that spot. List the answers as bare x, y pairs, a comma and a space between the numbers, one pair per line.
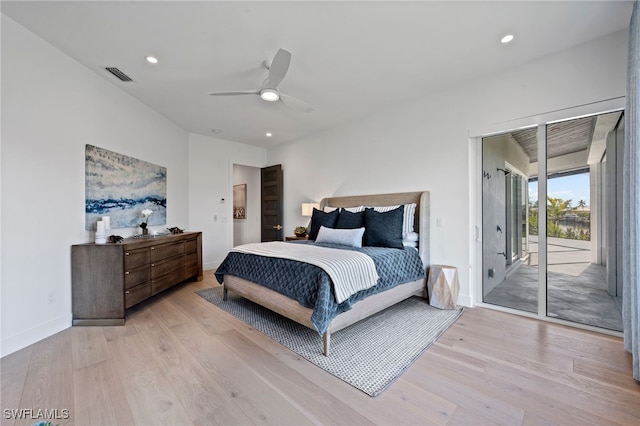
574, 187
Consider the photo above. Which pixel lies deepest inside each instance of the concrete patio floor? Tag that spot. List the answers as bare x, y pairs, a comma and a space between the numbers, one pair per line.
576, 288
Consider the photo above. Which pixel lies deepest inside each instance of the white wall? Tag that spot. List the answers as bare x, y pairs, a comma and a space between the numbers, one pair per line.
248, 230
425, 145
51, 107
211, 163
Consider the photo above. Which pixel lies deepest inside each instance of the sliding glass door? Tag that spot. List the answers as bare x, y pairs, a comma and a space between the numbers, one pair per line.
510, 277
550, 199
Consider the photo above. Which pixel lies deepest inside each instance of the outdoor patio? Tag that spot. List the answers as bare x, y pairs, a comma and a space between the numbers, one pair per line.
576, 288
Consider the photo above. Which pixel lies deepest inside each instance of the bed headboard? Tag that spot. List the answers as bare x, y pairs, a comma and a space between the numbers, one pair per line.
421, 224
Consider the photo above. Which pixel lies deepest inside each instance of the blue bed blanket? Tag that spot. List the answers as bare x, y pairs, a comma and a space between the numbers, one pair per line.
312, 287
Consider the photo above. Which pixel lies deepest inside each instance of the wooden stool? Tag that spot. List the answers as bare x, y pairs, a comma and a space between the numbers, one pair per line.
443, 286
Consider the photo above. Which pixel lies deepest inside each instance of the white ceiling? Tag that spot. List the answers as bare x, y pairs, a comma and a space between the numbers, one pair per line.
349, 59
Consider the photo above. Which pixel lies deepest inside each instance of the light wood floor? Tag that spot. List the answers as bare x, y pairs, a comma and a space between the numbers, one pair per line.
180, 360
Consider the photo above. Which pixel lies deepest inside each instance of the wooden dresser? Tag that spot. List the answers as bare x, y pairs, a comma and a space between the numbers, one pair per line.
106, 279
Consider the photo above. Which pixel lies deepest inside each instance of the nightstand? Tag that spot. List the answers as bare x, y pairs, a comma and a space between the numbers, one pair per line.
294, 238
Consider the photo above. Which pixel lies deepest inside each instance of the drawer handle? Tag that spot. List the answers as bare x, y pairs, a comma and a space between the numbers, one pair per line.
126, 253
153, 264
127, 292
126, 273
153, 248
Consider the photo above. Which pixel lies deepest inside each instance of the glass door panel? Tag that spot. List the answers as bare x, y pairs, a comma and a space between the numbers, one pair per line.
509, 278
577, 287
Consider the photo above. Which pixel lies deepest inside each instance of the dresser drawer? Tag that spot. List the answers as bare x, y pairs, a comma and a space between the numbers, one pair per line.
163, 251
169, 280
190, 271
135, 276
137, 294
191, 246
165, 266
136, 258
190, 259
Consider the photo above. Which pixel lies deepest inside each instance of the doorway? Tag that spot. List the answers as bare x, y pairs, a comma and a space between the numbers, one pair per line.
246, 226
555, 258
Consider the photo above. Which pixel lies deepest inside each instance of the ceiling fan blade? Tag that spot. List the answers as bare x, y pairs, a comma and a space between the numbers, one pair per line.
278, 69
295, 103
245, 92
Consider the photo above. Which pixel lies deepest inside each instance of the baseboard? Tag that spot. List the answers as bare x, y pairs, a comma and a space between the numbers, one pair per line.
209, 266
465, 300
33, 335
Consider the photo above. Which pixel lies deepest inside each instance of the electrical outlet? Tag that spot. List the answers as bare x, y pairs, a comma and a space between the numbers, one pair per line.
51, 298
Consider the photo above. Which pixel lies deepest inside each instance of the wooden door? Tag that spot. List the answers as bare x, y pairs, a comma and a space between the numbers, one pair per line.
271, 202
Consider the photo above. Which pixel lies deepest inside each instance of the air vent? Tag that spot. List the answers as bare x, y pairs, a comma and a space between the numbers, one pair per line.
122, 76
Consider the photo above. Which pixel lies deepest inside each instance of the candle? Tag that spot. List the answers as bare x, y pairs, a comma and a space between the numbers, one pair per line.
107, 223
100, 228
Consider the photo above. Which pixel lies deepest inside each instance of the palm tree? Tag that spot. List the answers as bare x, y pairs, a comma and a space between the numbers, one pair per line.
582, 204
557, 208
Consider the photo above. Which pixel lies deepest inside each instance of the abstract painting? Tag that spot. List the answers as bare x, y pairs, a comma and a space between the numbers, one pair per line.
121, 187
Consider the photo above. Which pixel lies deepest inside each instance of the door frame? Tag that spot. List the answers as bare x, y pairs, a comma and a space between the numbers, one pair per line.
229, 201
475, 199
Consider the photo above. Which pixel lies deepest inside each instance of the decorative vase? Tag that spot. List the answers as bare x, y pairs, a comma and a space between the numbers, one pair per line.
145, 231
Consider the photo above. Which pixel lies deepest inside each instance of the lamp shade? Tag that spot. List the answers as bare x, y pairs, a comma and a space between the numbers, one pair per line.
307, 208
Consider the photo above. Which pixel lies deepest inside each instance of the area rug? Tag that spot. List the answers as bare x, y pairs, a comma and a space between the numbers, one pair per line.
368, 355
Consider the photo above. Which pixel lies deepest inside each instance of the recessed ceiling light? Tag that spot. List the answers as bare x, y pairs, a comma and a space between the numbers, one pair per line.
268, 134
152, 59
506, 39
216, 130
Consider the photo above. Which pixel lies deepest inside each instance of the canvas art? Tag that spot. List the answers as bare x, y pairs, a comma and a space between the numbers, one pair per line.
121, 187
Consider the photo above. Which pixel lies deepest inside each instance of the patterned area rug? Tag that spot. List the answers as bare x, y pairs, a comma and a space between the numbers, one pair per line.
368, 355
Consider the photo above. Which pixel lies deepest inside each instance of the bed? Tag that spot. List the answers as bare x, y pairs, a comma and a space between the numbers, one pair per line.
246, 277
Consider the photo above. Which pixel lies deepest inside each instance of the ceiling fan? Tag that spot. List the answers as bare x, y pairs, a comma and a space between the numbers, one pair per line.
269, 91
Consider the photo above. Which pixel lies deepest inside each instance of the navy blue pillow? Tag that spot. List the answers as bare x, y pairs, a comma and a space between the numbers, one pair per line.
320, 218
383, 229
349, 220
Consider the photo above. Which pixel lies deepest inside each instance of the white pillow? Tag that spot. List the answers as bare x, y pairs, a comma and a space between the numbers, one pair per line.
345, 237
412, 236
329, 209
354, 209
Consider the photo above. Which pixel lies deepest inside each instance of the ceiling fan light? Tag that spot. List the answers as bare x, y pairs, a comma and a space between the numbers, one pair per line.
269, 95
507, 39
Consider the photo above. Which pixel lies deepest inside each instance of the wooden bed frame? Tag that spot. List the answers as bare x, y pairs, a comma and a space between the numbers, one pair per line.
364, 308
